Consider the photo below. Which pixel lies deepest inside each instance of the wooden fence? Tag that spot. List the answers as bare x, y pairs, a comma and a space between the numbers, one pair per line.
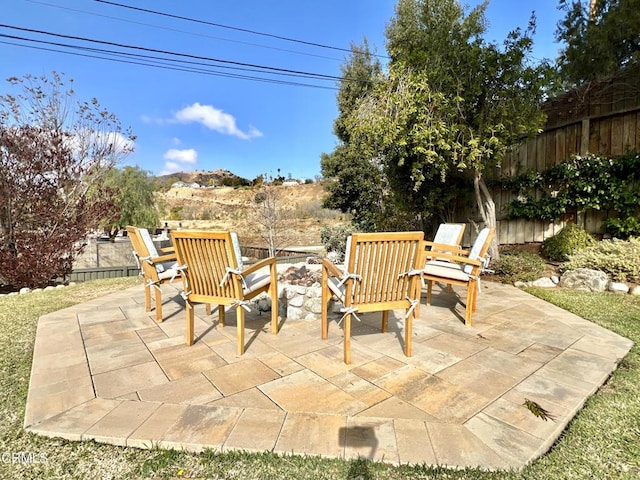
602, 119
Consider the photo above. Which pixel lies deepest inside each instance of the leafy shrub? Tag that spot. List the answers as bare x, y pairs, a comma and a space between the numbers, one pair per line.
622, 227
523, 266
618, 258
334, 239
567, 241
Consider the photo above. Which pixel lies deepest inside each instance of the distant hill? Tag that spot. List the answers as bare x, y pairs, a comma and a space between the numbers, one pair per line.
217, 177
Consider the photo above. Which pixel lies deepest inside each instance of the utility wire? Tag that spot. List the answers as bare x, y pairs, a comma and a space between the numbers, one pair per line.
239, 29
297, 52
318, 76
152, 61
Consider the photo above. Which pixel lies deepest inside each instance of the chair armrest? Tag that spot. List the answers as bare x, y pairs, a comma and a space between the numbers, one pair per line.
167, 250
265, 262
330, 268
445, 247
162, 258
458, 259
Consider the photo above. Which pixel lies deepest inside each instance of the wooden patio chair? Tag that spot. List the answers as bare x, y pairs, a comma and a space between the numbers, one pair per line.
157, 266
460, 267
213, 273
381, 273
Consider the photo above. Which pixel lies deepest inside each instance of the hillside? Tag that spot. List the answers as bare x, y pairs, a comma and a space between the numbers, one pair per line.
229, 208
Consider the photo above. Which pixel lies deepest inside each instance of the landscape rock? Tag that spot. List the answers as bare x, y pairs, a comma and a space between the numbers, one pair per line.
585, 279
618, 287
544, 282
555, 279
24, 290
635, 290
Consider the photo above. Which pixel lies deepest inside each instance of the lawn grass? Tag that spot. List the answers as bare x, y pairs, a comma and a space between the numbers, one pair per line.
602, 442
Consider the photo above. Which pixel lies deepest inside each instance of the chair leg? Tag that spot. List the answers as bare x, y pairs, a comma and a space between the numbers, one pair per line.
385, 320
274, 308
147, 297
189, 323
221, 315
347, 338
408, 334
240, 327
325, 323
207, 308
469, 308
158, 296
429, 287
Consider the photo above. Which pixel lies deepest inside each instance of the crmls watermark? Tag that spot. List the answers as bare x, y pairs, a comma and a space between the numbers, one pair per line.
23, 458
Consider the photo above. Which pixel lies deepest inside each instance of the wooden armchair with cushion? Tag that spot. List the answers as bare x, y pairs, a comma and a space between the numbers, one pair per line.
213, 273
460, 267
381, 273
157, 266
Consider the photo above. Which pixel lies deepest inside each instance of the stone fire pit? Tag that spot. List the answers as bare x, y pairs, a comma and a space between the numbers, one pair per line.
299, 291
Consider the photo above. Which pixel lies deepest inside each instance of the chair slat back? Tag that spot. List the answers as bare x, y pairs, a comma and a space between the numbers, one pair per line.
380, 263
206, 255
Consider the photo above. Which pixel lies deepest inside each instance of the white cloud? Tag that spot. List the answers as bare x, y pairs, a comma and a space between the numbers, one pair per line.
171, 167
215, 120
179, 160
184, 156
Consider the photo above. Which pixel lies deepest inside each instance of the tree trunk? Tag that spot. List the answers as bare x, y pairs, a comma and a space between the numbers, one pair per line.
487, 209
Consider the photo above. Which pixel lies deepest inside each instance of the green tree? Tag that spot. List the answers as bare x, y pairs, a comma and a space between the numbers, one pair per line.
354, 182
133, 198
599, 39
54, 154
451, 102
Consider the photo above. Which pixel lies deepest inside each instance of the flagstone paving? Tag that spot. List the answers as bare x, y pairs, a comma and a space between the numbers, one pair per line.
106, 371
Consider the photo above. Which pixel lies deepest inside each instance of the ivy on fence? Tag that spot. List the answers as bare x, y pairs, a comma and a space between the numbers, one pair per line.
581, 183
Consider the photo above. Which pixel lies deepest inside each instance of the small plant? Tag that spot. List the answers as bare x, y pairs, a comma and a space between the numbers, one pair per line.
567, 241
523, 267
618, 258
334, 239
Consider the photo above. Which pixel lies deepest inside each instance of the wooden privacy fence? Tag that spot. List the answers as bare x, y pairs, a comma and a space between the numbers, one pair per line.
602, 119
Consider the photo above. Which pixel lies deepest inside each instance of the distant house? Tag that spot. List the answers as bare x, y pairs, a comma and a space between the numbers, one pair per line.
178, 185
290, 183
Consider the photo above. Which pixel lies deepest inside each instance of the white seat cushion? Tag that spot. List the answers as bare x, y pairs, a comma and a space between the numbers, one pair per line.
169, 269
334, 285
446, 270
257, 280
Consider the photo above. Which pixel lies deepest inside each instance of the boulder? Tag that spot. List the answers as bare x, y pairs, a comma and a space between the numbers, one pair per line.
618, 287
635, 290
585, 279
544, 282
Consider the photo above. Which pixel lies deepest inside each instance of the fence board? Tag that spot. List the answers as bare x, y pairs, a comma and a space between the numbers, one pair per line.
629, 128
604, 145
617, 135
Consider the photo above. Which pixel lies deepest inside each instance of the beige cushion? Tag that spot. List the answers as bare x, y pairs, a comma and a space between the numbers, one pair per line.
446, 270
256, 280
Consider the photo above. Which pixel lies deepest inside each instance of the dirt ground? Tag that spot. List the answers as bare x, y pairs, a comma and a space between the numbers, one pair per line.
229, 208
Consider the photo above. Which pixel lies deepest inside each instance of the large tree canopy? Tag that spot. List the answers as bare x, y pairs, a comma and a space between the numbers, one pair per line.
133, 198
450, 103
599, 39
54, 154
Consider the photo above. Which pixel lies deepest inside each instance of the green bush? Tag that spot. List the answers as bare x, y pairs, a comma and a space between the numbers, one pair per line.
618, 258
334, 239
567, 241
523, 266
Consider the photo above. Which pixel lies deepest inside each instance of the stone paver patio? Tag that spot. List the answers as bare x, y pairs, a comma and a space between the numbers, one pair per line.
104, 370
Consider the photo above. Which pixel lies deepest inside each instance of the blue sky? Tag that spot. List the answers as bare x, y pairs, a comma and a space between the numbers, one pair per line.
192, 121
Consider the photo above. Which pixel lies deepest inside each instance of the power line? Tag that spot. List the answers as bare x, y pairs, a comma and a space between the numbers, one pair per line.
183, 31
166, 64
229, 27
318, 76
